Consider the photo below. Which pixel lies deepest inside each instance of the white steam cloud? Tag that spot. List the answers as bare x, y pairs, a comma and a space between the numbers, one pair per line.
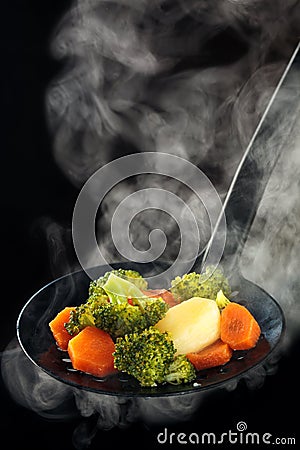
139, 77
34, 389
271, 255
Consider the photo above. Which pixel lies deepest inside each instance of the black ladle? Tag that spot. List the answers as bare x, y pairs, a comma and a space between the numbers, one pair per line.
240, 207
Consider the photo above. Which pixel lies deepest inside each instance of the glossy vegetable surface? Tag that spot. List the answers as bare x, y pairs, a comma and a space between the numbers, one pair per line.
239, 328
214, 355
57, 326
91, 351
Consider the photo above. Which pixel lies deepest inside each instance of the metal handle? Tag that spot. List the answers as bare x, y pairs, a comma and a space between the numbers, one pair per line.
257, 164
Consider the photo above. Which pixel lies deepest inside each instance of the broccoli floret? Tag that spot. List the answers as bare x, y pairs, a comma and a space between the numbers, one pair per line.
83, 315
94, 301
181, 370
205, 285
152, 309
122, 318
221, 300
149, 356
119, 319
146, 355
96, 286
80, 318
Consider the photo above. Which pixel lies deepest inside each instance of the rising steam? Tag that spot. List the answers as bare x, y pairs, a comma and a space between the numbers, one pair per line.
139, 77
271, 255
190, 78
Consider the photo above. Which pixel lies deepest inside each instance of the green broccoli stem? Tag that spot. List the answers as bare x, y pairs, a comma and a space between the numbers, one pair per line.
222, 300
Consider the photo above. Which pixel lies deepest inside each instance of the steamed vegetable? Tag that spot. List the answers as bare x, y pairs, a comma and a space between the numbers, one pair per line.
112, 311
193, 324
91, 351
134, 277
84, 315
221, 300
58, 329
239, 329
146, 356
216, 354
120, 290
119, 319
166, 295
181, 370
150, 358
205, 285
124, 318
155, 335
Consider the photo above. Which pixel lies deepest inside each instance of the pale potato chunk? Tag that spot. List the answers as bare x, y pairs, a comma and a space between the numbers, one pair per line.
193, 324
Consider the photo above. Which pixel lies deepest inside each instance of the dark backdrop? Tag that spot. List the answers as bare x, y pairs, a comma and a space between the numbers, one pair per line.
34, 193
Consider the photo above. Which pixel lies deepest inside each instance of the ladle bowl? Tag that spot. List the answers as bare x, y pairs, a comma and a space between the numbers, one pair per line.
37, 340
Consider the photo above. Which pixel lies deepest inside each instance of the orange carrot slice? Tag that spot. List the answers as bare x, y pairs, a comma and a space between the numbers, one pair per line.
91, 351
166, 295
57, 326
216, 354
239, 329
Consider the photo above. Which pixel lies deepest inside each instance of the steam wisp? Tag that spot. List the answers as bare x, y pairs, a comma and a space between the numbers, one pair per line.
271, 255
138, 78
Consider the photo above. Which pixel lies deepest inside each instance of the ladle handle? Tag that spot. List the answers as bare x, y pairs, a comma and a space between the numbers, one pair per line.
273, 133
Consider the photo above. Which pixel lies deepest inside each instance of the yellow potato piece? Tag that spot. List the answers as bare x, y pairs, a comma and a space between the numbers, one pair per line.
193, 324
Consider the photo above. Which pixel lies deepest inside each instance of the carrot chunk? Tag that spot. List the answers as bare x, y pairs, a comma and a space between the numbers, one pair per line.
166, 295
57, 326
239, 329
91, 351
216, 354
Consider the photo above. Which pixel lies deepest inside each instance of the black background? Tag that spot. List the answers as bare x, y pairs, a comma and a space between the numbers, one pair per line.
34, 192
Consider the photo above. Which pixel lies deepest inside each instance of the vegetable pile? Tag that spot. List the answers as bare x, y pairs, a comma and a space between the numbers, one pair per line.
157, 336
